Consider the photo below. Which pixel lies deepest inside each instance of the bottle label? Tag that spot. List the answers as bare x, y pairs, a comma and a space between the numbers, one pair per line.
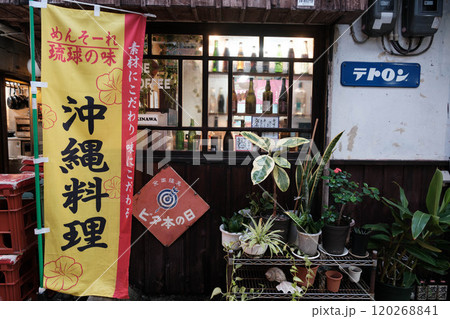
266, 107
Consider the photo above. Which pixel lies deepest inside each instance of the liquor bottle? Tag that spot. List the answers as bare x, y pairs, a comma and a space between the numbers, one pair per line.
283, 98
304, 66
431, 290
300, 100
226, 52
250, 100
228, 143
215, 67
233, 99
253, 63
240, 64
279, 64
191, 137
291, 53
216, 121
179, 140
266, 64
442, 290
212, 101
267, 99
221, 101
421, 291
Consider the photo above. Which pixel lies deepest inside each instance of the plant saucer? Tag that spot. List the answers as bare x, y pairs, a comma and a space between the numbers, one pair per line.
302, 256
365, 256
333, 255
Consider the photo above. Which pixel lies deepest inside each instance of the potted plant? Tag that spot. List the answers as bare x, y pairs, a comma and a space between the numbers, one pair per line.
273, 163
343, 191
308, 176
413, 240
232, 228
259, 203
360, 239
258, 237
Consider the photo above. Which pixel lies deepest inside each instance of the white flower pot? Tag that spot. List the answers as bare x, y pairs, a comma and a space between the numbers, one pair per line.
257, 251
354, 273
230, 239
308, 243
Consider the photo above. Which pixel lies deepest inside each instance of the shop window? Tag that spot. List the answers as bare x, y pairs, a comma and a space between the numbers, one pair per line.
205, 95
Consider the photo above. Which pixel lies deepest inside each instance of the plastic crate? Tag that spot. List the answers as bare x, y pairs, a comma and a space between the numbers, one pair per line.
17, 227
13, 186
19, 276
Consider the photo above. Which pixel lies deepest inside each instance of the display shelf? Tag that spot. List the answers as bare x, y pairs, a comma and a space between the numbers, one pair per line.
254, 277
252, 271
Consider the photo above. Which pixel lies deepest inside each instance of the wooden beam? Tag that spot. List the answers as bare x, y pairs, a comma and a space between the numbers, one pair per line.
219, 10
243, 11
194, 11
170, 10
267, 11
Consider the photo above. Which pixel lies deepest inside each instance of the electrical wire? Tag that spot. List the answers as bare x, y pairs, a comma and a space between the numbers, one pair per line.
352, 33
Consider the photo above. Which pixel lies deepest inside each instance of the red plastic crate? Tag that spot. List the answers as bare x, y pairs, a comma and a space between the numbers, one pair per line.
12, 187
19, 276
17, 227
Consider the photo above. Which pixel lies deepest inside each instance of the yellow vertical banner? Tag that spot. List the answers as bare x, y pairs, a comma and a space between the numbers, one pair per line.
92, 66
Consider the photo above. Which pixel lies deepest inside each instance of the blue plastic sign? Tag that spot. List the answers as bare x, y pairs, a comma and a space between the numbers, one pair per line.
405, 75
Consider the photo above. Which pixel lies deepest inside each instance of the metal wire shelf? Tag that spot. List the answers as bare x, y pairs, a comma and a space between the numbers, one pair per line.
323, 259
253, 277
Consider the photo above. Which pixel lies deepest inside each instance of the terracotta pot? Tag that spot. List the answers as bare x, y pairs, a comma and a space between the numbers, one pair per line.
334, 278
230, 239
308, 243
303, 271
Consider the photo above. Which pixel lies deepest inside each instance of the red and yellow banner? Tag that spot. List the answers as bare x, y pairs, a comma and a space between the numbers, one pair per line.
92, 66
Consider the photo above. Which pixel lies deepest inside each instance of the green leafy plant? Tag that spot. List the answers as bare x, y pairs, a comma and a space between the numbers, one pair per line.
234, 224
234, 291
343, 192
273, 163
297, 282
361, 230
414, 239
261, 233
259, 203
308, 175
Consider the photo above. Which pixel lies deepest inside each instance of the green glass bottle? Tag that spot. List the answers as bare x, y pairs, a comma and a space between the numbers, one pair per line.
179, 140
191, 137
279, 64
215, 67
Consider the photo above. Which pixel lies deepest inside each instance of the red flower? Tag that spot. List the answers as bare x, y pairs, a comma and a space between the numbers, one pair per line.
337, 170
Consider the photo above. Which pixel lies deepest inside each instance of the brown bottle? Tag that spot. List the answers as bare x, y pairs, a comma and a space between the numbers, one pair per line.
233, 100
267, 99
250, 100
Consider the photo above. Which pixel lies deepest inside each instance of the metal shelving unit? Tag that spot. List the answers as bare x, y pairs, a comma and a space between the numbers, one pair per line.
253, 271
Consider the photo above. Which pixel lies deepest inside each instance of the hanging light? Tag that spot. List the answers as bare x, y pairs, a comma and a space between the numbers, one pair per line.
37, 71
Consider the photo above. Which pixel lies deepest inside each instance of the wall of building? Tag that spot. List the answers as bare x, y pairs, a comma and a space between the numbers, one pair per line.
392, 123
14, 58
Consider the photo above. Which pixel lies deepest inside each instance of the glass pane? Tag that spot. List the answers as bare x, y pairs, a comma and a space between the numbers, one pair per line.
302, 100
221, 141
192, 92
285, 47
159, 92
237, 46
218, 100
256, 67
274, 114
303, 68
187, 140
177, 44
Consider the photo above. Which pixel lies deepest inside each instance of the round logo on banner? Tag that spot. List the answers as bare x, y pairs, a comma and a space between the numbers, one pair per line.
167, 198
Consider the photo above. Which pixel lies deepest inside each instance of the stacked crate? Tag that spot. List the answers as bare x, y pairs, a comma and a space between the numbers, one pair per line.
18, 244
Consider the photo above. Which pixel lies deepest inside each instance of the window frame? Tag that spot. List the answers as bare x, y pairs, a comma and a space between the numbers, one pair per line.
320, 36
